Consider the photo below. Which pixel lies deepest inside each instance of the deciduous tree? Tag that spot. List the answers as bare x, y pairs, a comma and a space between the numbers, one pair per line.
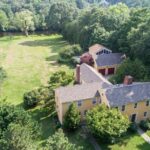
24, 21
58, 141
108, 124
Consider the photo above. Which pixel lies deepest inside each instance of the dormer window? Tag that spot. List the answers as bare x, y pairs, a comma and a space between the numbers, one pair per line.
147, 103
135, 105
123, 108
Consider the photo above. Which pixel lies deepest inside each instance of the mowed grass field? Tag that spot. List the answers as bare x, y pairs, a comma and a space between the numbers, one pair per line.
28, 62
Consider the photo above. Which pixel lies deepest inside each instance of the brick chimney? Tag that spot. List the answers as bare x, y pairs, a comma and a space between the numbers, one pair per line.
128, 80
77, 74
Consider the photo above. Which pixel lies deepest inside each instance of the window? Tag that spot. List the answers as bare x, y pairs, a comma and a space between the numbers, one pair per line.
145, 114
94, 101
123, 108
147, 103
79, 103
133, 117
135, 105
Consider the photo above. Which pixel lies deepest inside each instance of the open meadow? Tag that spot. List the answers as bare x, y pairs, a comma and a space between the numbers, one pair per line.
28, 62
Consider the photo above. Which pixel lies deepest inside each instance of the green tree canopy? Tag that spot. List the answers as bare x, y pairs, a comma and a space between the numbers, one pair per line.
3, 21
59, 14
24, 21
17, 137
72, 117
58, 141
134, 68
106, 123
12, 114
60, 78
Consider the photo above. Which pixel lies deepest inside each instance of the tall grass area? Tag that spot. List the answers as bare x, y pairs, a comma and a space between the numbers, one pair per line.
28, 62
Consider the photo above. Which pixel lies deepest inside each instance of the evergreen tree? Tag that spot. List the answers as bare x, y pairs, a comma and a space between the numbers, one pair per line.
72, 117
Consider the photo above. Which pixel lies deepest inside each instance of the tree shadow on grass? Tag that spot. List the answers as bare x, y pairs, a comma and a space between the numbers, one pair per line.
53, 43
46, 120
122, 143
144, 146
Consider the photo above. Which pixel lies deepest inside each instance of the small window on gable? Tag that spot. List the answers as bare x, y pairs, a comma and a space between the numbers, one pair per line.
123, 108
145, 114
94, 101
79, 103
147, 103
135, 105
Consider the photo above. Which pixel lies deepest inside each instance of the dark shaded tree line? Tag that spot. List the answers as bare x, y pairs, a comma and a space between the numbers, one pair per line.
30, 15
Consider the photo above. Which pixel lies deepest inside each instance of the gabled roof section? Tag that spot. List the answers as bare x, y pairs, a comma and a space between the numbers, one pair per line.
77, 92
119, 95
88, 75
109, 59
97, 48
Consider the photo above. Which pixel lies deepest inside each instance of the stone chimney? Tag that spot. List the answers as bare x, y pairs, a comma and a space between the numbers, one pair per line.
128, 80
77, 74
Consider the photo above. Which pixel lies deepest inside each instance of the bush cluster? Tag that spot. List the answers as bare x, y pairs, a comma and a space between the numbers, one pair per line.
32, 98
145, 124
133, 127
66, 56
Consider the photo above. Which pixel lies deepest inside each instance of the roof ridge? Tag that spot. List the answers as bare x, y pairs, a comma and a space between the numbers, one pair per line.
125, 86
76, 85
98, 74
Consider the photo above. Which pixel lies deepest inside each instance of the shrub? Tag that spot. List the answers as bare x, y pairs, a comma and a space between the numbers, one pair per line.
133, 127
66, 56
31, 98
60, 78
145, 124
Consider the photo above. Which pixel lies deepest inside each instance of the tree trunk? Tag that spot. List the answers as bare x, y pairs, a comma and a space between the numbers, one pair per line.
26, 33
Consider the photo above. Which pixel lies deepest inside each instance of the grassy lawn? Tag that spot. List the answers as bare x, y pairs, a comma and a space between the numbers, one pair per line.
148, 133
79, 138
28, 61
129, 142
